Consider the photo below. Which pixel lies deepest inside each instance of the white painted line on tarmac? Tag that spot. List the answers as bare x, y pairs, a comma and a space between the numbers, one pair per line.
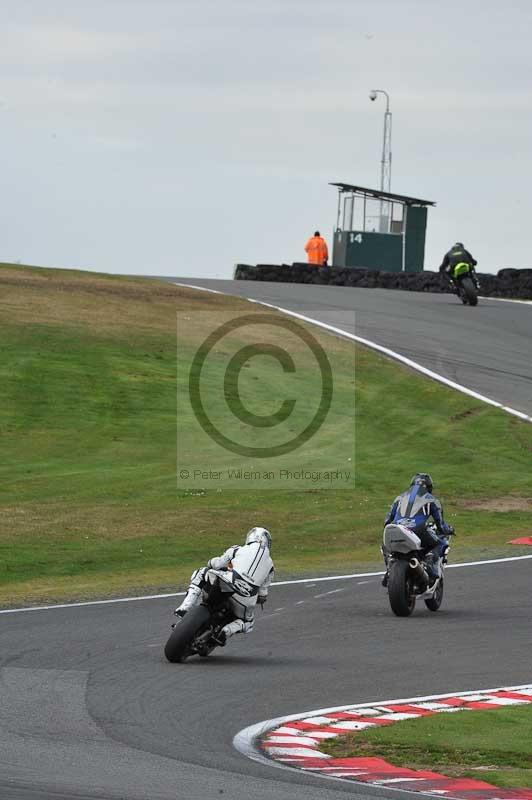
381, 572
276, 583
326, 594
200, 288
404, 360
268, 616
385, 350
487, 561
506, 300
92, 603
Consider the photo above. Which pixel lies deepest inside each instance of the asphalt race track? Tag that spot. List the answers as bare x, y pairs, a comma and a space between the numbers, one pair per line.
486, 348
89, 707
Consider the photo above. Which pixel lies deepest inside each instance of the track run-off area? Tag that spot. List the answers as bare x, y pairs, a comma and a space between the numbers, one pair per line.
89, 707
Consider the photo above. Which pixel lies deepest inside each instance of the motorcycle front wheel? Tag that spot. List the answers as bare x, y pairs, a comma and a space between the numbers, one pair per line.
177, 648
400, 590
435, 601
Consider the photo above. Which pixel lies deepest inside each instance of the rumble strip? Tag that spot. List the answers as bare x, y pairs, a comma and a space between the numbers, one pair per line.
294, 742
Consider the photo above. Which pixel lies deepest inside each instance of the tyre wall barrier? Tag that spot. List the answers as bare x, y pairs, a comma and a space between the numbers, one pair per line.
516, 283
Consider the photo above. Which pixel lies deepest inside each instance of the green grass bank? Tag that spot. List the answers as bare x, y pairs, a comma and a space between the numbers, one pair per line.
89, 504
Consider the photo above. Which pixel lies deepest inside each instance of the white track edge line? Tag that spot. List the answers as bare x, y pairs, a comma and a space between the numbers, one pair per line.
245, 740
276, 583
380, 348
506, 300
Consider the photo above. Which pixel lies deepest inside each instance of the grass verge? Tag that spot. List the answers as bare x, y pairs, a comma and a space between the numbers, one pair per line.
492, 745
88, 499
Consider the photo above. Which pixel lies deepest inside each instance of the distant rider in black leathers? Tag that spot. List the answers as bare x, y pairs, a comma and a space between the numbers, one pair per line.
457, 255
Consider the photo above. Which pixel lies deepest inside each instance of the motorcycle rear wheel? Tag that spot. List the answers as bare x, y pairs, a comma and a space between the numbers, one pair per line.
177, 648
468, 288
400, 590
435, 601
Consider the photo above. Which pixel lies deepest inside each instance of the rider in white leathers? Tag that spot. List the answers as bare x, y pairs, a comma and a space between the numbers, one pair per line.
249, 568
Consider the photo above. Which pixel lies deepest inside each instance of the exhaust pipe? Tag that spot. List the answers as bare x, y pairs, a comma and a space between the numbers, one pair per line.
419, 573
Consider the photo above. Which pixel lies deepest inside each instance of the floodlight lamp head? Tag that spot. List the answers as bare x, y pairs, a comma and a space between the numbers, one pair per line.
373, 95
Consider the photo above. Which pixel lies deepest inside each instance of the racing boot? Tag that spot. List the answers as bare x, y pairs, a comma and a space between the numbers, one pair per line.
433, 563
192, 598
237, 626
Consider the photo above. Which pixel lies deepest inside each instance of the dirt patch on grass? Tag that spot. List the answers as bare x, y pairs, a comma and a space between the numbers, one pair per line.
469, 412
497, 504
103, 302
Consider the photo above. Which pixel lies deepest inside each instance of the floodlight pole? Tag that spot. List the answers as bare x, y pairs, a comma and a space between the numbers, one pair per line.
386, 160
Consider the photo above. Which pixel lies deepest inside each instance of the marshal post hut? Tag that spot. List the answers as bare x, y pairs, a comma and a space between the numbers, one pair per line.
379, 230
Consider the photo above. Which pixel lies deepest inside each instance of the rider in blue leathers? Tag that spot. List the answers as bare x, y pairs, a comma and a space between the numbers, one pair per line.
414, 508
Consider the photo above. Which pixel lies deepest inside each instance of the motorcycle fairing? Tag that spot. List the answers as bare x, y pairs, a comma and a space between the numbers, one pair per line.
462, 268
400, 539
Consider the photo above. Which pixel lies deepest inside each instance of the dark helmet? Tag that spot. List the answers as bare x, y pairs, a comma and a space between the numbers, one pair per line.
422, 479
457, 245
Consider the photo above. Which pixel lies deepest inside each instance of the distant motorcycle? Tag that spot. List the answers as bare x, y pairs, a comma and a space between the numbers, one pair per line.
197, 632
465, 285
408, 578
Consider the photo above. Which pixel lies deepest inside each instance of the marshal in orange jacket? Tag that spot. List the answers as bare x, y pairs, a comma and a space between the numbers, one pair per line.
316, 250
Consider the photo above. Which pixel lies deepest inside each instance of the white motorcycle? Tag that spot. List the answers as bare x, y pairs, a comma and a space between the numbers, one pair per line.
407, 575
197, 633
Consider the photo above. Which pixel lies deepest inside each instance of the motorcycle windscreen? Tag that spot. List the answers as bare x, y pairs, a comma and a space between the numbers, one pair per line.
399, 539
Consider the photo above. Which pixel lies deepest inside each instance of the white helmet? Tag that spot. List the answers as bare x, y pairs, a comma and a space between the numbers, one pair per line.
260, 535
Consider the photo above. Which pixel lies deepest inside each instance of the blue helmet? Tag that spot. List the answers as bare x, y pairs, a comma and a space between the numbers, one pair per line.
423, 479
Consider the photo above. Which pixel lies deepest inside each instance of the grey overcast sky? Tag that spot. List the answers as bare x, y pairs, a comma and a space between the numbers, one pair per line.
182, 136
